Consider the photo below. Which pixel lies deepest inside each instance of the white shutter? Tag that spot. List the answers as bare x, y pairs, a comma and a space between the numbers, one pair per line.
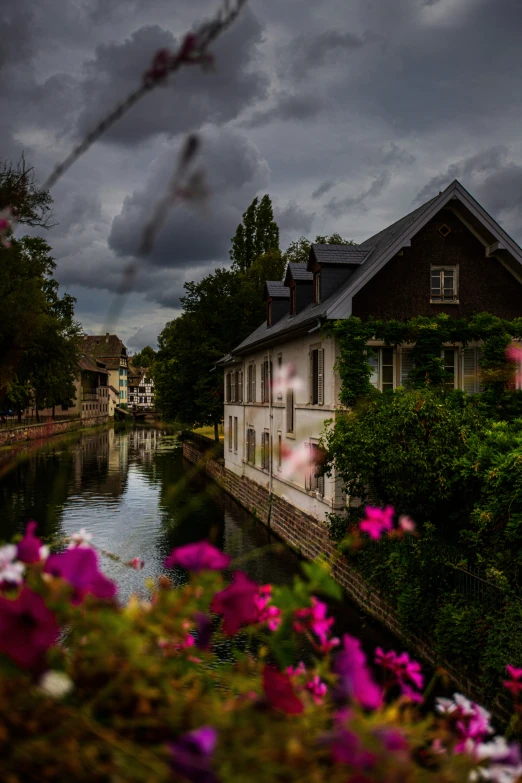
469, 370
406, 365
320, 376
240, 386
263, 381
311, 377
320, 485
289, 410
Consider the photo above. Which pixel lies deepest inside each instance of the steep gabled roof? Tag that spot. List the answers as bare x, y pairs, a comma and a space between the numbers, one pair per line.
103, 346
276, 289
381, 248
298, 272
90, 364
338, 254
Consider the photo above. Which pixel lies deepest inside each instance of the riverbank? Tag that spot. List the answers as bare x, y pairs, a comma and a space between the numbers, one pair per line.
48, 429
309, 538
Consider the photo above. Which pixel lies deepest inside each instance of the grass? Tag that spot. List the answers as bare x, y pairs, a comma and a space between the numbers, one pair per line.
209, 431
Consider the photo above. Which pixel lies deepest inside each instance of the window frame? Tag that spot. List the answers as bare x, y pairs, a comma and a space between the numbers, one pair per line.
290, 406
293, 300
379, 371
317, 287
442, 268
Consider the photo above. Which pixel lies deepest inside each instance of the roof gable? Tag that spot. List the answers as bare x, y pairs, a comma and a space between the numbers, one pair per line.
103, 346
297, 273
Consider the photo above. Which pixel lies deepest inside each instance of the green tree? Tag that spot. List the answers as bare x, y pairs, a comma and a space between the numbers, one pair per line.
256, 235
18, 190
144, 358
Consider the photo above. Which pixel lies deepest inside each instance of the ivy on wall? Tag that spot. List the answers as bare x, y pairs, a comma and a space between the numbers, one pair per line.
428, 337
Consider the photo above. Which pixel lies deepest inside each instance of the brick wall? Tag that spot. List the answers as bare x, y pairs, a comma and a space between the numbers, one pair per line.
46, 430
310, 538
401, 289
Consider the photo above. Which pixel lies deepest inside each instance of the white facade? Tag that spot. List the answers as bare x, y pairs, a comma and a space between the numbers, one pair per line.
279, 456
141, 391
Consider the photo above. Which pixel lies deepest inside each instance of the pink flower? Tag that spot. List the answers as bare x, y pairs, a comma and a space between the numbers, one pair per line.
79, 567
316, 620
81, 538
267, 614
355, 679
30, 548
279, 692
346, 749
514, 354
377, 521
201, 556
514, 685
296, 671
392, 740
471, 721
317, 688
192, 754
237, 603
27, 628
137, 563
402, 671
407, 524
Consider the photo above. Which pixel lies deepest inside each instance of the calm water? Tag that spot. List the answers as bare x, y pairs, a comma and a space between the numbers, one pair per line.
135, 493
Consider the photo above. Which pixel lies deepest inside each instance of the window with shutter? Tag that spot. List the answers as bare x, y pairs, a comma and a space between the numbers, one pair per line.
470, 381
263, 450
308, 468
229, 387
263, 382
240, 395
230, 433
292, 300
320, 376
290, 410
279, 451
280, 374
383, 368
235, 434
406, 366
253, 383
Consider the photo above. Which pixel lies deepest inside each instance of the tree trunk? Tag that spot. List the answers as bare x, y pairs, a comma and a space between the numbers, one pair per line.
216, 432
37, 414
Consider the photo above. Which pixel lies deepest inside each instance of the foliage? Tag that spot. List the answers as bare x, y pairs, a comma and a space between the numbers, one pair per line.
144, 358
385, 441
256, 235
139, 693
38, 333
299, 250
460, 629
19, 192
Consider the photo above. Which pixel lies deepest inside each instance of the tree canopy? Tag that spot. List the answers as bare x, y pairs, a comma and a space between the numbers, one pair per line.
144, 358
299, 250
256, 235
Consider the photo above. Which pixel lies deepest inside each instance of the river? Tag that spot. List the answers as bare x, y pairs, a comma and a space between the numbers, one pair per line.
132, 489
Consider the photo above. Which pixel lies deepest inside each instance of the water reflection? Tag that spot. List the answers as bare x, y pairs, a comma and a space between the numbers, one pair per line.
134, 492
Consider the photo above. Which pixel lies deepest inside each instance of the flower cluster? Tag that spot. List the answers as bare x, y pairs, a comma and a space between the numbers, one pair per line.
136, 699
380, 520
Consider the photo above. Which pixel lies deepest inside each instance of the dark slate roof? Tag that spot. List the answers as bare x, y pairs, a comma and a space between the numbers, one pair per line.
103, 347
339, 254
298, 272
276, 289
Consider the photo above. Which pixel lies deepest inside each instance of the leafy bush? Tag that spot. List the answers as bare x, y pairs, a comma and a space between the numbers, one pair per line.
504, 643
460, 630
94, 691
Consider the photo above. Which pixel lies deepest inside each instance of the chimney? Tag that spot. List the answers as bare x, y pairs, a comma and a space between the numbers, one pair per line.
106, 337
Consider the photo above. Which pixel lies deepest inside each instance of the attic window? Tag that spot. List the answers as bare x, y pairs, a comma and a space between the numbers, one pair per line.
444, 230
269, 313
317, 287
444, 284
292, 300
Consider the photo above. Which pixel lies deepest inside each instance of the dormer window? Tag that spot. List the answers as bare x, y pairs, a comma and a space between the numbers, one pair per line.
444, 285
292, 300
269, 313
317, 287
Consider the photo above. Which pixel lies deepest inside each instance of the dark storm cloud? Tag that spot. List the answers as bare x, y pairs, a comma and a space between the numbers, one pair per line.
486, 161
339, 206
145, 335
235, 173
309, 52
287, 107
189, 97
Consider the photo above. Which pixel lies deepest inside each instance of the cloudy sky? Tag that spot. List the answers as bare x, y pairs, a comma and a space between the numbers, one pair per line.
349, 113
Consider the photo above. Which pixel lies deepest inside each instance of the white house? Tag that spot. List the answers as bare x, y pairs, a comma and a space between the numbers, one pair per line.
448, 255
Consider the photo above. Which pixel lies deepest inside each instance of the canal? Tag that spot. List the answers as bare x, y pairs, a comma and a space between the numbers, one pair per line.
132, 489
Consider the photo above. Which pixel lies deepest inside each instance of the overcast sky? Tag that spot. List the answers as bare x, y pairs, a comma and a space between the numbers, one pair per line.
349, 113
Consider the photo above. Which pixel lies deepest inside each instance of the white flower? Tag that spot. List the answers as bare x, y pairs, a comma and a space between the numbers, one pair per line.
11, 570
80, 539
44, 552
56, 684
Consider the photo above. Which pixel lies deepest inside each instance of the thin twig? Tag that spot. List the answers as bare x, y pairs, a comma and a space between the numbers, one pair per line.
192, 51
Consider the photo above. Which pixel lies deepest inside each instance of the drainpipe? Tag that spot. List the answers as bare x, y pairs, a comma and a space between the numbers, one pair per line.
270, 439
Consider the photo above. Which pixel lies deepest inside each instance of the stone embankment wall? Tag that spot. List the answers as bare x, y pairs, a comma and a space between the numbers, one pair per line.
47, 429
310, 538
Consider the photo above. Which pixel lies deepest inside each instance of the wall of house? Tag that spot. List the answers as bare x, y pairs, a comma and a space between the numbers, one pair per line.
47, 429
401, 289
309, 424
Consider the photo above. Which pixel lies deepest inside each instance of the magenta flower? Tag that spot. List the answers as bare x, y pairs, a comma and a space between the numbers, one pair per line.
377, 521
201, 556
514, 685
401, 671
79, 567
355, 679
471, 721
315, 619
192, 755
204, 630
280, 693
30, 547
27, 628
237, 603
346, 749
270, 615
317, 688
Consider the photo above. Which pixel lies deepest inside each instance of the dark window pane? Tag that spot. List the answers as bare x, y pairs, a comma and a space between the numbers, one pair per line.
387, 376
387, 356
